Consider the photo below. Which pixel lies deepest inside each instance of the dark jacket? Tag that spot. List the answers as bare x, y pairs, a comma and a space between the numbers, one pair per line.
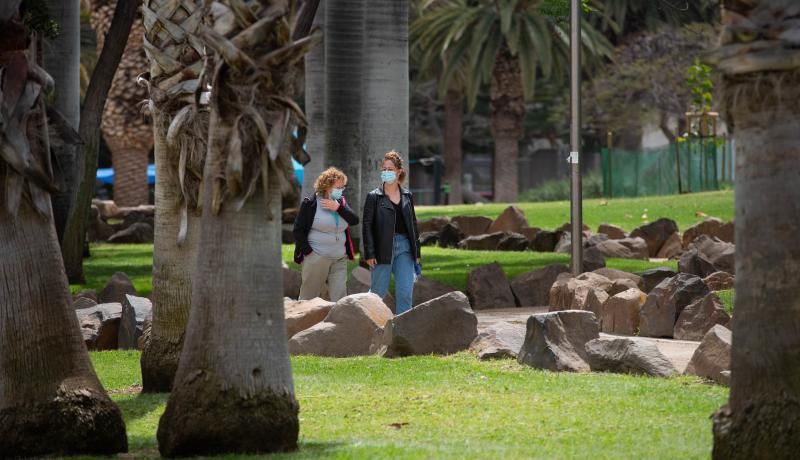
378, 229
305, 219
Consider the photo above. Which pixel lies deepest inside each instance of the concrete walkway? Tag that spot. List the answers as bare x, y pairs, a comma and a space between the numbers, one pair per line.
677, 351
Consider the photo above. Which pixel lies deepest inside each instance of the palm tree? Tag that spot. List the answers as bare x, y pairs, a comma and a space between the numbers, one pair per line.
51, 401
181, 130
233, 391
761, 78
624, 17
507, 45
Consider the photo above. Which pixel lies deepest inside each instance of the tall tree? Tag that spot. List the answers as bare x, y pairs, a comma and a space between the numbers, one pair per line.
180, 135
51, 401
315, 108
759, 59
233, 391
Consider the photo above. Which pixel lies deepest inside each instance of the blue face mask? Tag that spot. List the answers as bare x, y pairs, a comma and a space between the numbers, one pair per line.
388, 176
336, 194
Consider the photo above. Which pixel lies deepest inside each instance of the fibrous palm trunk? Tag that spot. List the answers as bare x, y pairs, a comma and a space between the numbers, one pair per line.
51, 401
315, 108
453, 134
233, 391
507, 109
762, 78
386, 87
180, 132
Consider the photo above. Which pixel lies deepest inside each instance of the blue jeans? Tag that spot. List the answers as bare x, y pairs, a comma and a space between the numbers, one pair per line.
403, 268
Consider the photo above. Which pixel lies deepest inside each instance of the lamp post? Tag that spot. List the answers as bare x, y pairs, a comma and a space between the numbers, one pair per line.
575, 137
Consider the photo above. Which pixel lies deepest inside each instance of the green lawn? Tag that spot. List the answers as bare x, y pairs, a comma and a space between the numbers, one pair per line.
628, 213
459, 407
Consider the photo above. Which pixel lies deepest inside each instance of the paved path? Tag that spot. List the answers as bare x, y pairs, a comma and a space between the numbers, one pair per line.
677, 351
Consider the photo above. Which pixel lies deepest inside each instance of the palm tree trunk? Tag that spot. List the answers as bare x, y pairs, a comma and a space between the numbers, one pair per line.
62, 62
453, 135
174, 251
315, 108
386, 88
507, 109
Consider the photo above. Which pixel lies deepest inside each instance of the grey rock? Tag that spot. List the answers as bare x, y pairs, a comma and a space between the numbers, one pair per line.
713, 227
532, 289
720, 281
513, 242
434, 224
426, 289
628, 355
614, 232
135, 310
117, 288
500, 340
512, 219
292, 280
656, 234
620, 313
136, 233
545, 241
302, 314
699, 317
100, 325
712, 359
651, 278
593, 259
707, 255
488, 287
556, 341
486, 242
450, 235
472, 225
666, 301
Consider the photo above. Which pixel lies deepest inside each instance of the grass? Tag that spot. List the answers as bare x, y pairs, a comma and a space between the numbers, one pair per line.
459, 407
628, 213
727, 297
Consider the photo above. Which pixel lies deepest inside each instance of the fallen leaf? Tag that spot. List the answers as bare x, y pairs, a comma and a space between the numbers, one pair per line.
398, 425
700, 214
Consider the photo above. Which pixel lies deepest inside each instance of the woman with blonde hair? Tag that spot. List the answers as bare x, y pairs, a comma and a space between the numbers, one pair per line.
322, 237
390, 234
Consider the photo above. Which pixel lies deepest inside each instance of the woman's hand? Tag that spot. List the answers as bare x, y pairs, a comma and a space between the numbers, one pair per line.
330, 205
372, 262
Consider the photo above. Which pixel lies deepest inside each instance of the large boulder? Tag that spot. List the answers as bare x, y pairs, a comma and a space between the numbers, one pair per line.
117, 288
556, 341
620, 313
720, 281
429, 239
487, 242
144, 213
440, 326
621, 285
628, 355
671, 248
513, 242
712, 359
135, 310
653, 277
450, 235
713, 227
593, 259
512, 219
136, 233
292, 280
700, 316
350, 328
360, 282
434, 224
530, 233
502, 339
472, 225
707, 255
618, 249
587, 291
107, 209
488, 287
426, 289
302, 314
614, 274
100, 325
666, 302
545, 241
614, 232
656, 234
532, 289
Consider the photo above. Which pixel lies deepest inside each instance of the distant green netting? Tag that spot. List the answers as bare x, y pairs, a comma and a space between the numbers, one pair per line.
655, 171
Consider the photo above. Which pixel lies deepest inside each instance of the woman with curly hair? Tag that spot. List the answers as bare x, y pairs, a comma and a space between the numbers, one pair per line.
322, 237
390, 234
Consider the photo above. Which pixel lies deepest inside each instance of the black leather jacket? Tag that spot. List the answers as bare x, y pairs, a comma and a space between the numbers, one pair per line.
377, 229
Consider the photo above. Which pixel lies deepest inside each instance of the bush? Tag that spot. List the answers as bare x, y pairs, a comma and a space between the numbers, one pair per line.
559, 190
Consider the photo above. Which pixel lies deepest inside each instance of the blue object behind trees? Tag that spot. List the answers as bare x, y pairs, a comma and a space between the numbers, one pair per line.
106, 175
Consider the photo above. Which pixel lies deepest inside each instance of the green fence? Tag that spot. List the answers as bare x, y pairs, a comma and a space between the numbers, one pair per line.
691, 165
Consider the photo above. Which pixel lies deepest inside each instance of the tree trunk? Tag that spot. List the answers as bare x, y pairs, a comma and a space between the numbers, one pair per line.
386, 89
507, 110
171, 91
315, 109
62, 62
453, 135
345, 142
89, 130
762, 417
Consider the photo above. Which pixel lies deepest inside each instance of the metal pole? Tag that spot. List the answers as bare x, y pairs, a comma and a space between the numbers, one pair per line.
575, 137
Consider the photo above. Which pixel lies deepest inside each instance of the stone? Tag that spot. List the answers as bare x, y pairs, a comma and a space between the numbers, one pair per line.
564, 245
487, 242
441, 326
620, 313
100, 325
637, 246
720, 281
712, 359
593, 259
621, 285
142, 214
429, 239
360, 282
302, 314
699, 317
473, 225
532, 289
666, 302
488, 287
617, 250
614, 274
545, 241
97, 229
577, 293
117, 288
147, 329
530, 233
350, 328
83, 302
567, 227
707, 255
87, 293
656, 234
434, 224
426, 289
556, 341
628, 355
512, 219
671, 248
107, 209
450, 235
292, 280
652, 277
614, 232
595, 239
513, 242
137, 233
135, 310
500, 340
713, 227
